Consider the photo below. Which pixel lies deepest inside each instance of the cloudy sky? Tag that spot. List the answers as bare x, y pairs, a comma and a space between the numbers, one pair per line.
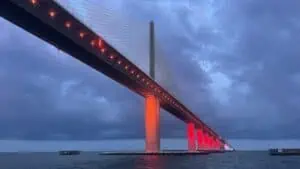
234, 63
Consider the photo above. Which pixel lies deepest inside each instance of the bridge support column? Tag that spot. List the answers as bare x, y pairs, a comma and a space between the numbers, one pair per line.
214, 144
205, 138
191, 137
208, 142
199, 139
152, 127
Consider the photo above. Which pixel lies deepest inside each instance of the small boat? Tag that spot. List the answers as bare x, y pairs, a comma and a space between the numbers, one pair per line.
69, 152
284, 152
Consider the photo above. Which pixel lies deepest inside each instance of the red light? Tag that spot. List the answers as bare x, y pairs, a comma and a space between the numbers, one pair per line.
126, 67
147, 83
138, 76
119, 62
68, 24
100, 43
103, 50
34, 2
143, 79
93, 43
132, 72
111, 57
81, 34
52, 13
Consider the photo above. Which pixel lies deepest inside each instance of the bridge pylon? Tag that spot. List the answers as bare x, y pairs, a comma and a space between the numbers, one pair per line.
152, 105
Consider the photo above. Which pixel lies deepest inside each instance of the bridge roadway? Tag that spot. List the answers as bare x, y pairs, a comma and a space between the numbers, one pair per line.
49, 21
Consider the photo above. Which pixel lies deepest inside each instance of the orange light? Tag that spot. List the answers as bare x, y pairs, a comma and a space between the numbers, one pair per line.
126, 67
68, 24
93, 43
147, 83
52, 13
34, 2
152, 123
143, 79
119, 62
103, 50
138, 75
81, 34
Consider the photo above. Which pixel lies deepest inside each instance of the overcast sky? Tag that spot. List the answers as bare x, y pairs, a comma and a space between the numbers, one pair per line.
234, 63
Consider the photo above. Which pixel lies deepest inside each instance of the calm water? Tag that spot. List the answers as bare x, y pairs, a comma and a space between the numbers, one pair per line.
236, 160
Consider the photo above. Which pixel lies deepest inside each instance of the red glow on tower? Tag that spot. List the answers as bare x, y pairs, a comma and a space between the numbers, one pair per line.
191, 136
204, 140
100, 43
199, 139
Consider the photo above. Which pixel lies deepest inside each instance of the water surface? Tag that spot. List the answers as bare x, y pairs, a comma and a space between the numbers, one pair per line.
91, 160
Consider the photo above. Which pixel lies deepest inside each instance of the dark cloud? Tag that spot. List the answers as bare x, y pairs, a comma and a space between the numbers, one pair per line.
252, 46
234, 63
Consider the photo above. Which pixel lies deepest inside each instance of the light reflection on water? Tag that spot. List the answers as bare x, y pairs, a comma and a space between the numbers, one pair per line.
150, 162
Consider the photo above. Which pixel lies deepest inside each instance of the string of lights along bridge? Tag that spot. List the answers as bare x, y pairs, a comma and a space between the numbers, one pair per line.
51, 22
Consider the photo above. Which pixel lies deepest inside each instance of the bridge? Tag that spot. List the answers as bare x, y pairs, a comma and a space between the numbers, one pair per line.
52, 23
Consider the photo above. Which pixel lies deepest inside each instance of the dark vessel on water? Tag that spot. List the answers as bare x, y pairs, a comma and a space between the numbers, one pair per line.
69, 152
284, 152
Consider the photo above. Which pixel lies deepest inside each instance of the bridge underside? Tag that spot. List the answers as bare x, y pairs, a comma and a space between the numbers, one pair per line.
56, 34
32, 24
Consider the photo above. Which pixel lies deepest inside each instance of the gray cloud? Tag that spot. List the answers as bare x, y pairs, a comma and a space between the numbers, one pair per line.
251, 46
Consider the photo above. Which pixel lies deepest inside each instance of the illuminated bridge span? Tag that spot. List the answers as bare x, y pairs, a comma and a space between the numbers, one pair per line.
52, 23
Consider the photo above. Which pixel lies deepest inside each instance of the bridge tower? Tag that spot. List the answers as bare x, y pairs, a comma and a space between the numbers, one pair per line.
152, 105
